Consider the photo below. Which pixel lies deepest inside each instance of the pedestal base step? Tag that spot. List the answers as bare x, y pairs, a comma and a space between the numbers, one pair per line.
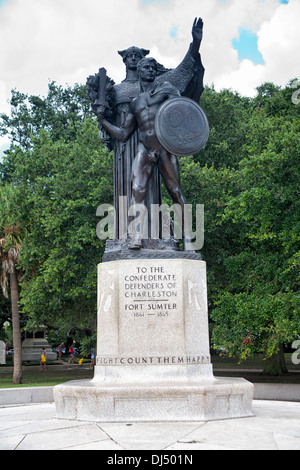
87, 400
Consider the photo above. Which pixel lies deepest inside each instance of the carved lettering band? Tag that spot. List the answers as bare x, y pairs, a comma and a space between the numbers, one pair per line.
152, 360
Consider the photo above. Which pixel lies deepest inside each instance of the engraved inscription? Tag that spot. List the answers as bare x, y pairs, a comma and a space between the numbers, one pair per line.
153, 360
151, 314
150, 291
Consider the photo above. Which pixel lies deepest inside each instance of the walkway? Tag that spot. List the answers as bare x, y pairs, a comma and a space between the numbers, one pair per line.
275, 426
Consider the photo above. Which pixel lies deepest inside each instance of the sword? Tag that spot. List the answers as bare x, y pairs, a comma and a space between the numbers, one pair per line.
101, 98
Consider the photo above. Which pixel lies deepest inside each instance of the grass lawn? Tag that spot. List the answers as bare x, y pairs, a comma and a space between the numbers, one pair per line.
56, 373
252, 368
59, 372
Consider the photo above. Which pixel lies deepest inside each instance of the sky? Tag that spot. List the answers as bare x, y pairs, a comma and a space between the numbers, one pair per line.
245, 42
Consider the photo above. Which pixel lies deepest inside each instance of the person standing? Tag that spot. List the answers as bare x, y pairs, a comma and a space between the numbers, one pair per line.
60, 349
92, 358
43, 359
71, 354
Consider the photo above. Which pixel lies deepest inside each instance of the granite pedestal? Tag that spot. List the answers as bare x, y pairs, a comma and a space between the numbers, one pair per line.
153, 361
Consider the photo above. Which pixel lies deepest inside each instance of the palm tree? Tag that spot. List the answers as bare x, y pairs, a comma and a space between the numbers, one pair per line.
10, 248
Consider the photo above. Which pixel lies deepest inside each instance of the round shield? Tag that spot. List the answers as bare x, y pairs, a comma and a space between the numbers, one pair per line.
181, 126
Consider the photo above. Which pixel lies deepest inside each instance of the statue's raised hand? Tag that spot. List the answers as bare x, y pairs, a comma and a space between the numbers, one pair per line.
197, 30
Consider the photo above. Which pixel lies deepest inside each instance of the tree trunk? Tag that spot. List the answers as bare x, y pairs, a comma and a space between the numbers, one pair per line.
275, 365
14, 296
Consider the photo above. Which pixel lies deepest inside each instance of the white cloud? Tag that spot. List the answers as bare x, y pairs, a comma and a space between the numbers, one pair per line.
67, 40
279, 40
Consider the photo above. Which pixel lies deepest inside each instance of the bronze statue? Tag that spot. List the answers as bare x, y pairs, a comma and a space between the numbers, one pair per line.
141, 116
114, 110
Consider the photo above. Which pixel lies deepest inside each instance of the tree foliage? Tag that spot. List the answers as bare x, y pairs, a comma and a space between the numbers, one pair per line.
60, 113
12, 233
58, 163
62, 249
247, 177
259, 310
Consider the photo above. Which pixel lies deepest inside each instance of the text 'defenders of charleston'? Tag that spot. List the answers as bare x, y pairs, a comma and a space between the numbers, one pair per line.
150, 291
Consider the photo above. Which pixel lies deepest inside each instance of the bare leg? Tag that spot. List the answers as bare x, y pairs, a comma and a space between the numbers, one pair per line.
141, 172
169, 168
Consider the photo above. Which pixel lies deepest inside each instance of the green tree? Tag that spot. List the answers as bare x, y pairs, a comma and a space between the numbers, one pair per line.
65, 182
60, 112
11, 238
260, 309
63, 172
227, 114
276, 101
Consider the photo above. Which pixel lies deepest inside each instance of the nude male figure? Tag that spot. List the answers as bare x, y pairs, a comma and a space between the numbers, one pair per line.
141, 115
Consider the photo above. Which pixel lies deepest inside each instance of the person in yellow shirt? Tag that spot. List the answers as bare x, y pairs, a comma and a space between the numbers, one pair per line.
43, 359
